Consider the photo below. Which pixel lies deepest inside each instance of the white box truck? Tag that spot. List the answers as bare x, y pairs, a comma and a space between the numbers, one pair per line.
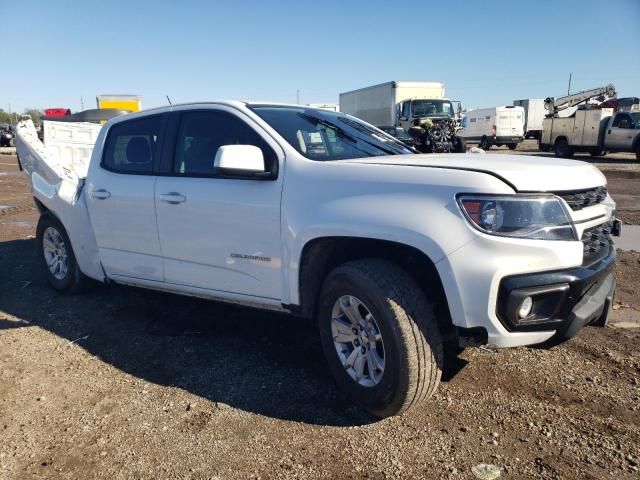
421, 108
494, 126
534, 113
386, 103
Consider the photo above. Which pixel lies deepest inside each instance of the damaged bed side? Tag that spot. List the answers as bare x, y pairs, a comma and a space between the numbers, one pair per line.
57, 170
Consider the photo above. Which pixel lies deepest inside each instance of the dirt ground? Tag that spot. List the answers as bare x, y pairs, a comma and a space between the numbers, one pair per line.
127, 383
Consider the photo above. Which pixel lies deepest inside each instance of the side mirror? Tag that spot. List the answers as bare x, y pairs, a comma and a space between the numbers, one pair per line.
240, 161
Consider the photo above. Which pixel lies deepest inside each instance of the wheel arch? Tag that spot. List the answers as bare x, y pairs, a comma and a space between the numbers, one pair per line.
321, 255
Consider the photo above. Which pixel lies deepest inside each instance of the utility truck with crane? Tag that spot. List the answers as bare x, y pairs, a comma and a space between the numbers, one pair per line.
591, 129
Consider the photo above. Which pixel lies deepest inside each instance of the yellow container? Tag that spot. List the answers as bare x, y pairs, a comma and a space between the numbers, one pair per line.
133, 103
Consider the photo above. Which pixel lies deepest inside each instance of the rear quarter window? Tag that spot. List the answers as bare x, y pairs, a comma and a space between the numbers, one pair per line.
131, 145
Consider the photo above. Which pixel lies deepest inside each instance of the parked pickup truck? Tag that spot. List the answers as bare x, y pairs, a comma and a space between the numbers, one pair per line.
596, 131
302, 210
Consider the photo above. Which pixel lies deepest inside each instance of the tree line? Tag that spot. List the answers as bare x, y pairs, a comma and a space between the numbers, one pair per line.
14, 117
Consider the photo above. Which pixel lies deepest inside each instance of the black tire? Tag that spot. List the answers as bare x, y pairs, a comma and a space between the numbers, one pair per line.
484, 144
413, 349
512, 146
562, 148
638, 152
596, 152
543, 147
74, 281
460, 145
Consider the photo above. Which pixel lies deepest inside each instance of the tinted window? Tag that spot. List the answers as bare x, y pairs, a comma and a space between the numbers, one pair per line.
622, 121
131, 145
202, 133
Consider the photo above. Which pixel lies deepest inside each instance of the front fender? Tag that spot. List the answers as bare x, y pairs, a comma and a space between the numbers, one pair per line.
414, 206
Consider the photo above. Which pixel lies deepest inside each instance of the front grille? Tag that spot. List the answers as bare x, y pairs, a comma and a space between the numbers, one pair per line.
578, 200
597, 242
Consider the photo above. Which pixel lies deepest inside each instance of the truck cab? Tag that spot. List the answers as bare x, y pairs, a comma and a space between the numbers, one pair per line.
415, 110
623, 132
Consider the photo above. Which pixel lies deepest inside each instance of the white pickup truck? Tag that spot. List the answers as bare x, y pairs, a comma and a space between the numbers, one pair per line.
596, 131
321, 215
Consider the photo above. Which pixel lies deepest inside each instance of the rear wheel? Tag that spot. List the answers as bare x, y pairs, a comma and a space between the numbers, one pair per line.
638, 152
596, 152
380, 336
512, 146
57, 257
484, 144
562, 148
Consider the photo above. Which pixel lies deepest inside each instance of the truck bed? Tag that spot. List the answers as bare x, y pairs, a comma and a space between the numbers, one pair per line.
56, 171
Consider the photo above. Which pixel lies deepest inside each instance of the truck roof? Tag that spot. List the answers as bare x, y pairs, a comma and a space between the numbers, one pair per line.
396, 84
229, 103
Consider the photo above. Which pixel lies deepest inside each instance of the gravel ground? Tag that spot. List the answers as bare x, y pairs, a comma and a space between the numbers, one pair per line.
126, 383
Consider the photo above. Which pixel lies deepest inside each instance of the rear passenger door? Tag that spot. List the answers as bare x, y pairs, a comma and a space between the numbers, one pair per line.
221, 234
120, 199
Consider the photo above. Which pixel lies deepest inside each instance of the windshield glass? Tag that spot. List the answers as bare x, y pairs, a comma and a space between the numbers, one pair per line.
432, 108
635, 116
324, 135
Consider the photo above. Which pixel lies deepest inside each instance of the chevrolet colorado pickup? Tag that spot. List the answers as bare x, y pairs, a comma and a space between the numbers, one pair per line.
321, 215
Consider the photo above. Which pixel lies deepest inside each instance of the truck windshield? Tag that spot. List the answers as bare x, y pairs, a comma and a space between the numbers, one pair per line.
432, 108
324, 135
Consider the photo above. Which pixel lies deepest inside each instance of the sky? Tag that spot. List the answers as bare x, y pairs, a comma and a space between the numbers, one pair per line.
488, 53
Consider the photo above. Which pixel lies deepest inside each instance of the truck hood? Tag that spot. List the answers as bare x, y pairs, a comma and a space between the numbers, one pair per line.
522, 172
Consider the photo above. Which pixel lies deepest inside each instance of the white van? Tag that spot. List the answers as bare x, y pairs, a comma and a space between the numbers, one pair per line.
494, 126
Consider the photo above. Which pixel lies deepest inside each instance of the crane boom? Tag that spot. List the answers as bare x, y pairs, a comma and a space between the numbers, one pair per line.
554, 105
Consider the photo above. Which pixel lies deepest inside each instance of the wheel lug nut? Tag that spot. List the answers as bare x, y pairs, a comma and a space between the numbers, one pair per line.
356, 342
363, 349
355, 331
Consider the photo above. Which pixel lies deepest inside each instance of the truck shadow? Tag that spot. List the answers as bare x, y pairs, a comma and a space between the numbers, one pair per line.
262, 362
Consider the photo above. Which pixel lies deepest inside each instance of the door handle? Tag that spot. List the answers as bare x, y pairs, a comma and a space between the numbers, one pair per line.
100, 194
173, 198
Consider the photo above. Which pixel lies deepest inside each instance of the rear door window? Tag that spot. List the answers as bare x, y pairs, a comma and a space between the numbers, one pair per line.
131, 146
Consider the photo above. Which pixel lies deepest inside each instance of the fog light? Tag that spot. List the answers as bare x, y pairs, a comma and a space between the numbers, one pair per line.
525, 307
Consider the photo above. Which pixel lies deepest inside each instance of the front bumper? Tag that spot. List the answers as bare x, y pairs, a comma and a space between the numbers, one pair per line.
476, 276
567, 300
505, 140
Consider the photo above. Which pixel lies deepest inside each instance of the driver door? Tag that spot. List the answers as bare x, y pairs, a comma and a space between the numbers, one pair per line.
219, 233
404, 120
620, 134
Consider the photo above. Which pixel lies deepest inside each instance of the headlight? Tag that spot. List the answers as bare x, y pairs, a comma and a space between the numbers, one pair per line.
542, 217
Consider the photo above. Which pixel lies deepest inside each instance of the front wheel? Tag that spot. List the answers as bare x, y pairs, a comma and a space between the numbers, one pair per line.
484, 144
460, 145
57, 257
380, 336
512, 146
